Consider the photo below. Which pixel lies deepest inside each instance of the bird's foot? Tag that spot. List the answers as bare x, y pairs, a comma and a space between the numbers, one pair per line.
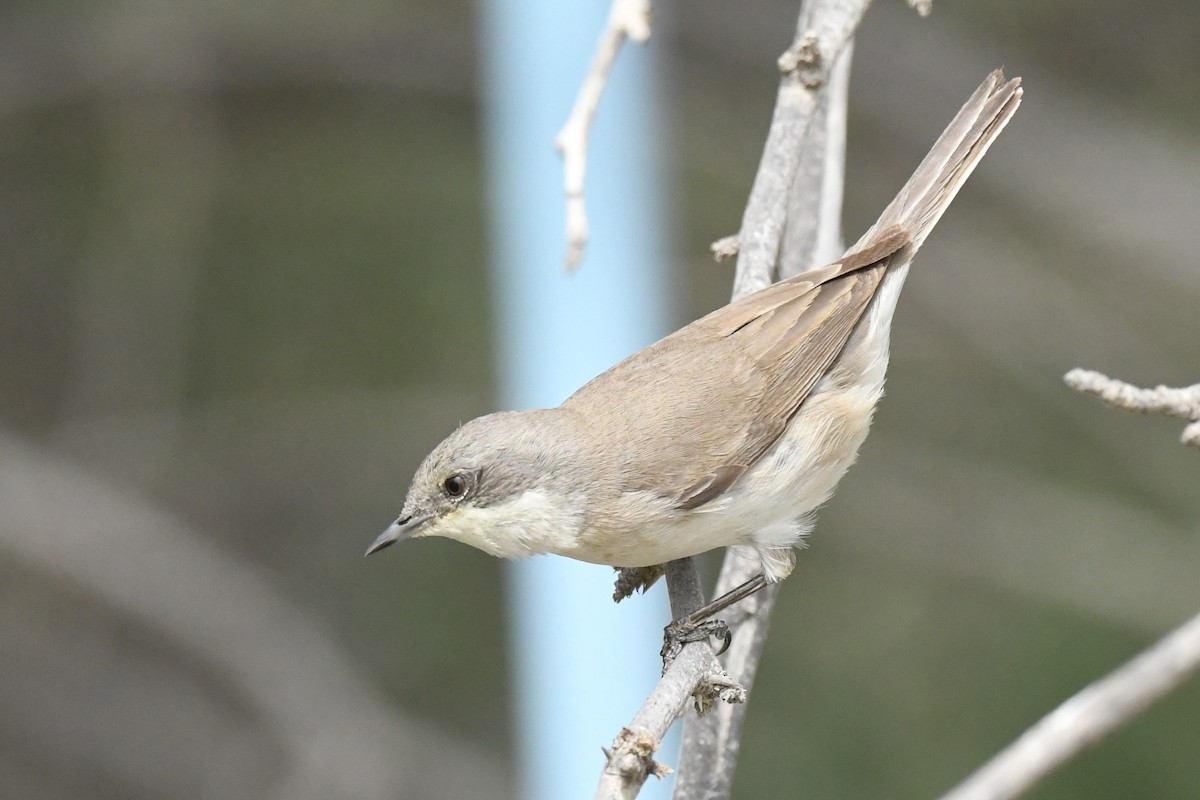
699, 625
634, 579
685, 631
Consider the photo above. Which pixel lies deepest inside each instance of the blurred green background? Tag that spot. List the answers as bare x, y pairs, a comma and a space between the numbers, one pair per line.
243, 289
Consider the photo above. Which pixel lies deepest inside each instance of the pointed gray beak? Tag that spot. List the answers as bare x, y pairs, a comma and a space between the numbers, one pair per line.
398, 531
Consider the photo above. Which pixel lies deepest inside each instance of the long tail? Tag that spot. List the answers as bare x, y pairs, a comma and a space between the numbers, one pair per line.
910, 217
923, 200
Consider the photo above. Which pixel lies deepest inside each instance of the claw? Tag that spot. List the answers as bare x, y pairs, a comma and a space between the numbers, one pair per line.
726, 640
682, 632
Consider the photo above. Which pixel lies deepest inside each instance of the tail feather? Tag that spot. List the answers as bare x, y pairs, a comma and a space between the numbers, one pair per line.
923, 200
914, 212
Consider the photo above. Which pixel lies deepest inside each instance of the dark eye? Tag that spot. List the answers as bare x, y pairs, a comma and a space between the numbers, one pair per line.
455, 486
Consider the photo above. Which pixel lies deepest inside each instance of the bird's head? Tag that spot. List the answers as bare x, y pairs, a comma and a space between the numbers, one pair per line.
487, 485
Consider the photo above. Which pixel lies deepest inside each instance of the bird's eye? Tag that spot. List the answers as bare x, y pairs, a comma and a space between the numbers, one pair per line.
455, 486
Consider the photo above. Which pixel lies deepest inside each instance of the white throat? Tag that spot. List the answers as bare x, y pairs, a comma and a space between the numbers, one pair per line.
528, 524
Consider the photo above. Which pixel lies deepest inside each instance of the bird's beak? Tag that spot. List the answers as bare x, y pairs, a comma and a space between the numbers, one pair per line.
399, 530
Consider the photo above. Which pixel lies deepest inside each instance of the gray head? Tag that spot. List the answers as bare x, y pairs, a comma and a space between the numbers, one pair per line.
483, 484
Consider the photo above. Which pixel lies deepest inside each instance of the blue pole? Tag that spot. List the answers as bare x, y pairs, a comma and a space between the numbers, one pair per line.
582, 664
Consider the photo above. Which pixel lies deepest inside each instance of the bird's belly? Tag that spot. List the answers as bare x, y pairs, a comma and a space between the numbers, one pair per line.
802, 469
767, 507
652, 532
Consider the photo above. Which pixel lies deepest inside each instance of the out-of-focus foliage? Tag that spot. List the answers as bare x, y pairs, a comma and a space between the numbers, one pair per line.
243, 289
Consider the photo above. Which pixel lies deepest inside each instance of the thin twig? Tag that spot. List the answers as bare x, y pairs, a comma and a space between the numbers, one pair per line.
1087, 718
694, 673
1179, 403
627, 19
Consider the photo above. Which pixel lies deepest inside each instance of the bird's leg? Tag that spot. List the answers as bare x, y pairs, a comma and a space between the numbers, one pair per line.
699, 625
635, 579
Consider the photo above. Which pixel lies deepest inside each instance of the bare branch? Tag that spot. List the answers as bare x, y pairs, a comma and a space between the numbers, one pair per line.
695, 673
683, 584
630, 762
627, 19
813, 234
1179, 403
822, 32
711, 743
1087, 718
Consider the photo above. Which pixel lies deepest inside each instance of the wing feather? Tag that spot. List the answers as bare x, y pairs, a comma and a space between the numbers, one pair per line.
692, 430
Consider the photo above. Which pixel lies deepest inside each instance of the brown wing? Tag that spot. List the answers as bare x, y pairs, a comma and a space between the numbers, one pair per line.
700, 407
697, 409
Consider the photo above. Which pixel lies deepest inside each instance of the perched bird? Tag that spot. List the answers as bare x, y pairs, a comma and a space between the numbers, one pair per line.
731, 431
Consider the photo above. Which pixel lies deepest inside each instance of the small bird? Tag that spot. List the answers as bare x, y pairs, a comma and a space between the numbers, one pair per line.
731, 431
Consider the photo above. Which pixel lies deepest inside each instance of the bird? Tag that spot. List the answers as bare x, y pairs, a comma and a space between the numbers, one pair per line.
730, 432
